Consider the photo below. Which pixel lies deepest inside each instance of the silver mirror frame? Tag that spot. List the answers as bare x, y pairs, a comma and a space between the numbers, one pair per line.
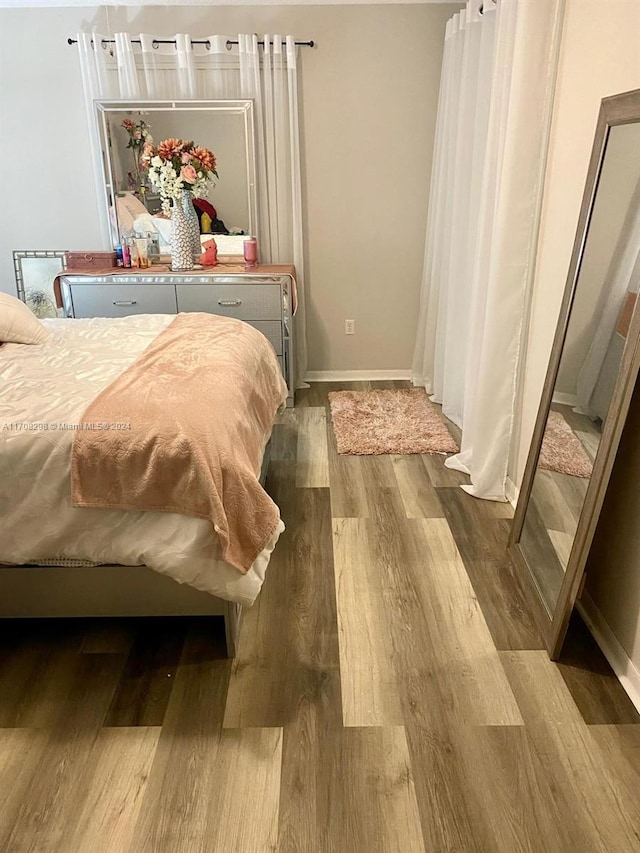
243, 108
616, 110
20, 256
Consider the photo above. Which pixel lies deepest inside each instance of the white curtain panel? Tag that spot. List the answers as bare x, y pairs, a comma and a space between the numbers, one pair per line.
212, 71
494, 111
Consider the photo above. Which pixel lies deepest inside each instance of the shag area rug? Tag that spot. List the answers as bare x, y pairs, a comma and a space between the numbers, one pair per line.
398, 422
562, 451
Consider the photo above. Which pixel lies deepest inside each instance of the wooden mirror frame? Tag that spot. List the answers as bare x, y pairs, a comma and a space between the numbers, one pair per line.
616, 110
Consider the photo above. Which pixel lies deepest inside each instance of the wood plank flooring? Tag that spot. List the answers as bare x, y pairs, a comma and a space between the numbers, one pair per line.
390, 693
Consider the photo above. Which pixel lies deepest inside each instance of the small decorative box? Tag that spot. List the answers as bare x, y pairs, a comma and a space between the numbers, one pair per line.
98, 260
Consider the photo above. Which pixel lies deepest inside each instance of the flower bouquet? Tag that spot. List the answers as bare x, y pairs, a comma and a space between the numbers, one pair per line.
180, 170
177, 165
139, 140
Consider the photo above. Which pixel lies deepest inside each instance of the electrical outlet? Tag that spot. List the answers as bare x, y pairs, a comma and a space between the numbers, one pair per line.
349, 327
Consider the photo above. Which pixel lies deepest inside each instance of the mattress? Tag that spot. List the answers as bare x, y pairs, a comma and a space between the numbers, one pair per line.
45, 390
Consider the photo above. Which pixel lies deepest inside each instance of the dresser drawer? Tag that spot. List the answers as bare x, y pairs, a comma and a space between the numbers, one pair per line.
271, 329
120, 300
243, 301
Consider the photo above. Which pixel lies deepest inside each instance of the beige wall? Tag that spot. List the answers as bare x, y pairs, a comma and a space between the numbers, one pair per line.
48, 196
368, 106
599, 56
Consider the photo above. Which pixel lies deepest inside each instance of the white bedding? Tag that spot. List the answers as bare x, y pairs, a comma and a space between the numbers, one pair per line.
51, 385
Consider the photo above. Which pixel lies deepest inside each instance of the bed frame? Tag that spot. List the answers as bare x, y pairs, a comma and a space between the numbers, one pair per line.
103, 591
31, 592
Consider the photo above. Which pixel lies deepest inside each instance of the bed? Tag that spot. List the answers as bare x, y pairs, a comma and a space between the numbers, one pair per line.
59, 558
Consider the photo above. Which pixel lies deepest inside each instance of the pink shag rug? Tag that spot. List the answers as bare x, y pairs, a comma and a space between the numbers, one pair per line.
397, 422
562, 451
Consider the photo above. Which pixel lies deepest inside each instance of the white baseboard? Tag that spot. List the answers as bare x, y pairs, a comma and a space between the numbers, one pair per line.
355, 375
563, 399
512, 492
627, 672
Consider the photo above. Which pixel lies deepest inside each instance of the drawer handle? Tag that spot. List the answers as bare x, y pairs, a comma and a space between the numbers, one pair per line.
130, 302
229, 303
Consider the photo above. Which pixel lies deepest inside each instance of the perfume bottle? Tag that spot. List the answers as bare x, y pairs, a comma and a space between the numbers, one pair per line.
250, 253
143, 252
153, 243
133, 251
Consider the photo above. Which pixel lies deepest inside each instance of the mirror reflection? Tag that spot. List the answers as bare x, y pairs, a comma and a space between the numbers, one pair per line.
35, 273
227, 208
604, 301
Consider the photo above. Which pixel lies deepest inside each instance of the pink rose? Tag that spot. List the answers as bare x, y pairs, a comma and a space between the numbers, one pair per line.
188, 174
186, 157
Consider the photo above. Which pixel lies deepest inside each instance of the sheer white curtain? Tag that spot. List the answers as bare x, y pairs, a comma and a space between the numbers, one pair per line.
211, 71
494, 112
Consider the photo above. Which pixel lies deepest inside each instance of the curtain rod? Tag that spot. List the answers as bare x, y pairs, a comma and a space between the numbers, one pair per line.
229, 42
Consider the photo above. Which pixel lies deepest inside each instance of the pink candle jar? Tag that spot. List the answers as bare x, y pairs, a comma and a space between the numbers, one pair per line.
250, 253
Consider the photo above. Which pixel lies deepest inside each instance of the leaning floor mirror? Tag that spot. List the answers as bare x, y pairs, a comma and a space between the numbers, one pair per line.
591, 376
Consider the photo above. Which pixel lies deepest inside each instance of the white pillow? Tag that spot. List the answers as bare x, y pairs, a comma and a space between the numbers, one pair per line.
18, 325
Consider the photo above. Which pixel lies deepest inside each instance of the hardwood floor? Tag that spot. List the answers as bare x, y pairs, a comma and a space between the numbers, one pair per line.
390, 693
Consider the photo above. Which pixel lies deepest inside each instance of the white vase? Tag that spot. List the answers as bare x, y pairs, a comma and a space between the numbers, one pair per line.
181, 243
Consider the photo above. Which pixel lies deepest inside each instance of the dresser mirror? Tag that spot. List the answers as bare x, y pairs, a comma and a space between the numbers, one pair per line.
134, 206
591, 375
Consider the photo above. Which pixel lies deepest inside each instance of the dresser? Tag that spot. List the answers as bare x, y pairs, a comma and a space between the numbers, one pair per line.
264, 298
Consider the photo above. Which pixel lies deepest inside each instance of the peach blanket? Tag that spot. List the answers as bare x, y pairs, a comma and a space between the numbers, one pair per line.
183, 430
